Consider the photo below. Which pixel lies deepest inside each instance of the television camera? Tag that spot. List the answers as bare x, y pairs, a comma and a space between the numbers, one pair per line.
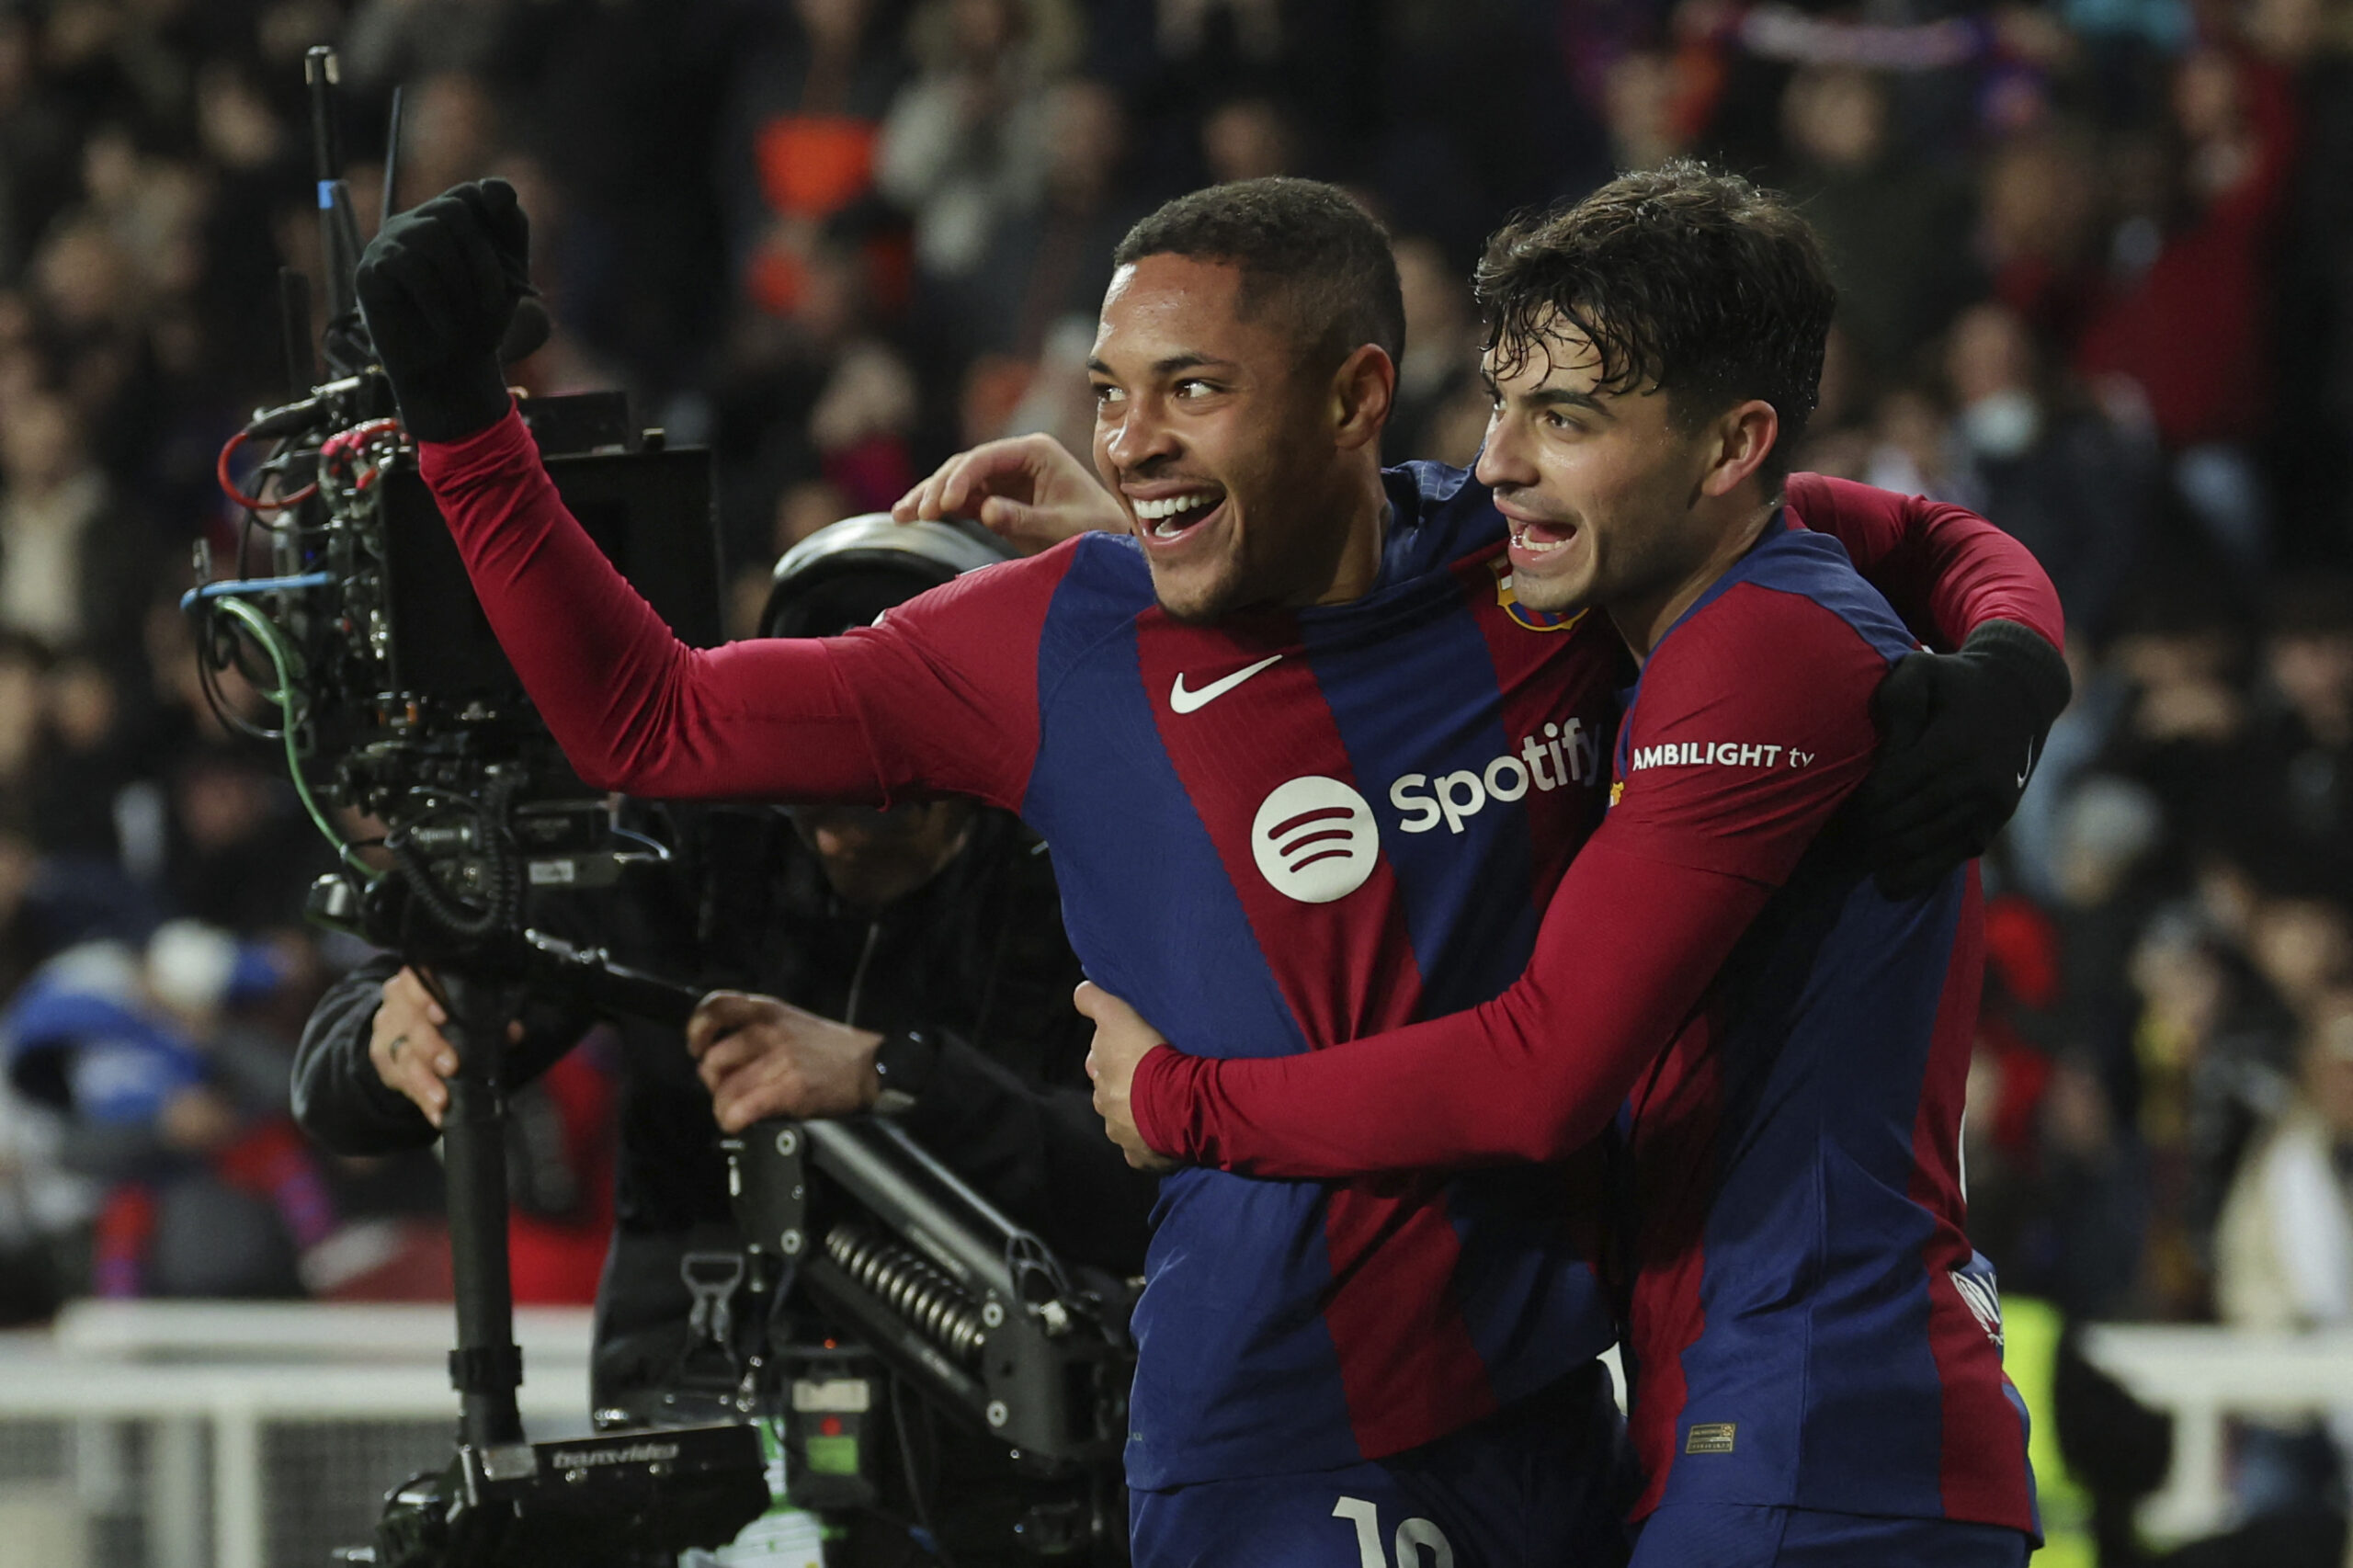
394, 703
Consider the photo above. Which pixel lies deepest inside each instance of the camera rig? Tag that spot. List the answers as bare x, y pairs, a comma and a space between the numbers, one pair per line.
952, 1297
395, 703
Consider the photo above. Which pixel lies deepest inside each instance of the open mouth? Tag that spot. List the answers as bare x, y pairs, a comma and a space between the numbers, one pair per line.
1538, 539
1168, 517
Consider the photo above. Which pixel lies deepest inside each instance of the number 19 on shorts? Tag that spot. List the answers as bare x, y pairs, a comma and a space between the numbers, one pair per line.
1419, 1544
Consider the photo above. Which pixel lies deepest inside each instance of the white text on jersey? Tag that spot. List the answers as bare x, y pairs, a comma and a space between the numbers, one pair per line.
1712, 754
1570, 754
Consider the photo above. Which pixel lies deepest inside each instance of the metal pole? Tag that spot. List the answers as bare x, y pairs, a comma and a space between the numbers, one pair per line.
486, 1366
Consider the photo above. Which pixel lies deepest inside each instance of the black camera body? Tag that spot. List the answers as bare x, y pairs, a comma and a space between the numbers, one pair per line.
396, 698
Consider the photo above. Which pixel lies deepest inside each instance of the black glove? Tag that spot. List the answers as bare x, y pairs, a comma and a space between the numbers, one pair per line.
438, 287
1960, 734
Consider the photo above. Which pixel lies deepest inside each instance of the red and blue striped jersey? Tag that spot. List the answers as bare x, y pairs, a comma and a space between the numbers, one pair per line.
1810, 1326
1296, 827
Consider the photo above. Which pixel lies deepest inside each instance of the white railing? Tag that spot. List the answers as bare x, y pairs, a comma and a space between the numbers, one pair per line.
204, 1378
205, 1375
2204, 1376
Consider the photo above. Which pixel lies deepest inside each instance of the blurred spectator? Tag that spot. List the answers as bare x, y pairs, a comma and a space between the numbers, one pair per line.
2301, 753
1462, 116
2038, 233
1645, 110
624, 105
2037, 458
2209, 1047
2284, 1255
1912, 448
1003, 329
809, 102
37, 144
764, 390
23, 942
209, 1191
801, 511
71, 559
1442, 410
241, 854
2311, 368
965, 142
89, 762
2182, 729
1313, 63
24, 712
2094, 1215
451, 132
393, 41
1249, 139
1896, 224
2188, 319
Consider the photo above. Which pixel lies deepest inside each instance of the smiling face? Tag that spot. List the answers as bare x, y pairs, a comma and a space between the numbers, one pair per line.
1606, 494
1241, 473
1653, 350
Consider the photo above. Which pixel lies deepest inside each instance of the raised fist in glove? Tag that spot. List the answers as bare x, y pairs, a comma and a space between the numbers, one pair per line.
438, 287
1960, 734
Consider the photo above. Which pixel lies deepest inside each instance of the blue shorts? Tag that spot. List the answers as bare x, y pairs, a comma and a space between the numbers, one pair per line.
1733, 1534
1546, 1482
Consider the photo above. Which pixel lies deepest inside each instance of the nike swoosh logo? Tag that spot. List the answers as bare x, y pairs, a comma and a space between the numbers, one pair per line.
1185, 701
2028, 771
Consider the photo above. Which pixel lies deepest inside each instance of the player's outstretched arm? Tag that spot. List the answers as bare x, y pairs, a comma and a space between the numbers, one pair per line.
633, 708
1028, 490
1634, 936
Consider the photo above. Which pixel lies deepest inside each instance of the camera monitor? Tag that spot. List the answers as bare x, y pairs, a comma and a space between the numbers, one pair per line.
649, 511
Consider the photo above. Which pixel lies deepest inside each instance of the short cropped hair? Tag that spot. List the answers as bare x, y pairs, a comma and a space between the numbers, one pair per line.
1303, 248
1685, 280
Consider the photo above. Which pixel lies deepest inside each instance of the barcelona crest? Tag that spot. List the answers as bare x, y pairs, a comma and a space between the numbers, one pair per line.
1534, 619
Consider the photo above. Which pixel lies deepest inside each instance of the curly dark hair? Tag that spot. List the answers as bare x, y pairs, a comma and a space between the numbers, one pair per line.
1303, 248
1693, 282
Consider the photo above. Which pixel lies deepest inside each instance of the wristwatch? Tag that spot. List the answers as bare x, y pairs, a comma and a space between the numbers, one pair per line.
904, 1061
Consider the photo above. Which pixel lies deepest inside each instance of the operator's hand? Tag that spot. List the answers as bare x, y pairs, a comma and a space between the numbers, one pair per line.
760, 1056
1028, 490
410, 1052
1121, 1039
438, 287
1960, 734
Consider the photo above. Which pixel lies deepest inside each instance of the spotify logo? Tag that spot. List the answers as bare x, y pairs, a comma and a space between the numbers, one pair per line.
1314, 840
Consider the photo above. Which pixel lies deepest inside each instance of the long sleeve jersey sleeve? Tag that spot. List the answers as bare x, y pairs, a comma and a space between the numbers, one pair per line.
928, 701
1943, 568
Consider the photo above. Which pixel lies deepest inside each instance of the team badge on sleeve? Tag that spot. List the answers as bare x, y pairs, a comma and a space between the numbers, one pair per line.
1534, 619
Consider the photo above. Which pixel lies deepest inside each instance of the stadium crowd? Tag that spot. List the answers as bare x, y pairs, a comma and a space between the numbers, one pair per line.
2097, 268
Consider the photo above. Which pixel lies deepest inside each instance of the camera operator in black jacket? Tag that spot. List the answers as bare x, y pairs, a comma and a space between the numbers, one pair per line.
922, 954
